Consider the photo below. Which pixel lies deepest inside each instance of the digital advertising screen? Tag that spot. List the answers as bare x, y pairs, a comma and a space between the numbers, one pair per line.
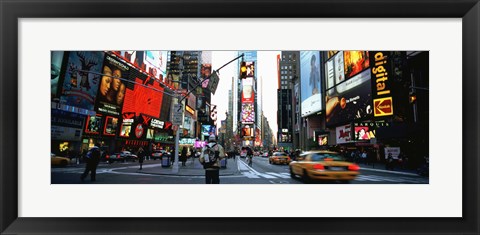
206, 68
93, 124
355, 62
250, 69
80, 84
156, 64
150, 134
248, 113
111, 125
247, 131
134, 57
145, 97
364, 133
310, 80
322, 140
209, 130
350, 100
111, 92
127, 122
248, 95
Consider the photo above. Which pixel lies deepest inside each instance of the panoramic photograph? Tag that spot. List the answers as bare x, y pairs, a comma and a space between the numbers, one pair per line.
239, 117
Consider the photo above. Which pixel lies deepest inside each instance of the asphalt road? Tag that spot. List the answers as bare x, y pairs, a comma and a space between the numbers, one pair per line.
261, 172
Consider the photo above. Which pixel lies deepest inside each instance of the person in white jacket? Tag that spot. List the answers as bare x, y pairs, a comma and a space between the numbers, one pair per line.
212, 153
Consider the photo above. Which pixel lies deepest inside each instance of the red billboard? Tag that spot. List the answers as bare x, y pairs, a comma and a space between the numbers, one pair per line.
145, 97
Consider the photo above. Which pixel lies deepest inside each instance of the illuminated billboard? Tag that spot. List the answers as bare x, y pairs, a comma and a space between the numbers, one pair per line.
250, 69
144, 97
344, 134
111, 92
248, 113
156, 64
364, 133
322, 139
350, 100
93, 124
55, 70
81, 81
111, 124
355, 62
310, 80
381, 84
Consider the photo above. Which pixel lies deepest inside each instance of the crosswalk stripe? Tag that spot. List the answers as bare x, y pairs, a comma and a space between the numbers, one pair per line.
278, 175
267, 176
250, 175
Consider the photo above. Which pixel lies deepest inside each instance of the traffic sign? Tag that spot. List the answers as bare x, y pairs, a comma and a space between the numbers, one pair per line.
213, 83
177, 114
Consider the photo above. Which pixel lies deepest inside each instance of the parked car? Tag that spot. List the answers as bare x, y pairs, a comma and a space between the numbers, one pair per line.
157, 154
59, 161
122, 156
323, 165
265, 154
279, 158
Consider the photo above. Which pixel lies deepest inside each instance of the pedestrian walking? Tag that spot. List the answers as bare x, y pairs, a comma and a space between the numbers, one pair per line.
183, 156
389, 165
92, 159
212, 153
141, 156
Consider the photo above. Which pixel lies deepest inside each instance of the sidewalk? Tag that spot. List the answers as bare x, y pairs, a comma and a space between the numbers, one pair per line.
192, 168
380, 167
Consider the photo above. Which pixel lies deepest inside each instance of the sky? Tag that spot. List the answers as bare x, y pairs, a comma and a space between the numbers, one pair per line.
266, 70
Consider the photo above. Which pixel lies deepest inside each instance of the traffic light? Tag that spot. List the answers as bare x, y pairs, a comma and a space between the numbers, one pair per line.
412, 97
243, 70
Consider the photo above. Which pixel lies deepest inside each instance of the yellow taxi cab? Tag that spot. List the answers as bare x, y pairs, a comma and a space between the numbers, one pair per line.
323, 165
58, 161
279, 158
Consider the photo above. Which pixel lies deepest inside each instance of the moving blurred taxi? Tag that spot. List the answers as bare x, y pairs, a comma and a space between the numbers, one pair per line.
323, 165
279, 158
59, 161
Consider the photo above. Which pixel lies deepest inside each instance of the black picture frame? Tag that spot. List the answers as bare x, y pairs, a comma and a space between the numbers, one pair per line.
11, 11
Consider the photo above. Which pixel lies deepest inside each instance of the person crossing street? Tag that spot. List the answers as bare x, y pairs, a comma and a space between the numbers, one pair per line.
211, 156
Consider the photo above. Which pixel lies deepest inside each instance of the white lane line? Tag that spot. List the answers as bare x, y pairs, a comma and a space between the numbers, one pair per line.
266, 176
250, 175
278, 175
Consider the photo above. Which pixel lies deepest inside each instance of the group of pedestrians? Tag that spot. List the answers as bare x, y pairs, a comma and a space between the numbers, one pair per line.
210, 158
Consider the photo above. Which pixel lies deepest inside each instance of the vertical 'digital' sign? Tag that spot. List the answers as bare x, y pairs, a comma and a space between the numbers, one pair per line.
381, 84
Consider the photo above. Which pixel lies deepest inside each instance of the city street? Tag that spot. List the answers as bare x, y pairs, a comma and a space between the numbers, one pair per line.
237, 172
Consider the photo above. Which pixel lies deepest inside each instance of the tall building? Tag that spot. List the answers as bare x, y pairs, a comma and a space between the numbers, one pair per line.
289, 68
245, 104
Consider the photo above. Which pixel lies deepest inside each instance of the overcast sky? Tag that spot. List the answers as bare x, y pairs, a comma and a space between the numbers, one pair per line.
266, 69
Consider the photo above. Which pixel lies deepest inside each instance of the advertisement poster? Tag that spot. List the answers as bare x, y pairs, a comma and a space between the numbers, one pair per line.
250, 69
322, 140
339, 68
364, 133
355, 62
350, 100
310, 80
208, 130
111, 125
127, 122
248, 113
93, 125
111, 92
394, 151
247, 131
344, 134
150, 134
145, 97
156, 64
206, 68
329, 74
55, 69
79, 85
